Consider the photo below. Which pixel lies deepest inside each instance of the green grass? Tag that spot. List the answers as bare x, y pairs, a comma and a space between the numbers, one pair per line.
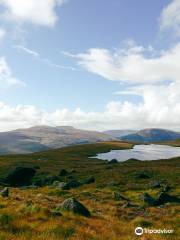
32, 208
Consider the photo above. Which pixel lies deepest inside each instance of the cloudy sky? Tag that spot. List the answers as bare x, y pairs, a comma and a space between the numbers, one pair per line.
106, 64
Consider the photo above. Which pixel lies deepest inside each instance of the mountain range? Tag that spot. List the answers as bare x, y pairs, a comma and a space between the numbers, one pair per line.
40, 138
152, 135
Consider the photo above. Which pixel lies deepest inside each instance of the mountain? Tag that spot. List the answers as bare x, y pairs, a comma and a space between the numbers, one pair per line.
119, 133
41, 138
152, 135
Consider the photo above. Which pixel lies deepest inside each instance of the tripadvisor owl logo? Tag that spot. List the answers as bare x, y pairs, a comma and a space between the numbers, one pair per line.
139, 231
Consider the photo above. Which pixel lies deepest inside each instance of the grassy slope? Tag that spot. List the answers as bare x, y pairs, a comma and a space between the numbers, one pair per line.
110, 220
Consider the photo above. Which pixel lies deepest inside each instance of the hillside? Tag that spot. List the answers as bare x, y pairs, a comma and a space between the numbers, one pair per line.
152, 135
119, 133
118, 196
40, 138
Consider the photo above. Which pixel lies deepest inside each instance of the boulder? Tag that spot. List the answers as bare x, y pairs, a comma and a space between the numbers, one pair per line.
63, 186
45, 180
150, 201
155, 184
142, 175
166, 198
88, 180
71, 204
5, 192
20, 176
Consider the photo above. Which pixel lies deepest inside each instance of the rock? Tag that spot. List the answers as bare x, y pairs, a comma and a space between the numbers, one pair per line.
63, 186
63, 173
155, 184
88, 180
166, 198
56, 183
113, 161
5, 192
118, 196
67, 185
129, 204
73, 184
71, 204
142, 175
45, 180
150, 201
20, 176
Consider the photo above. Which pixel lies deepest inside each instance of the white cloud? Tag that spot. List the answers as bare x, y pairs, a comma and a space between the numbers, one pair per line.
133, 64
2, 34
39, 12
6, 78
170, 17
153, 75
160, 107
42, 59
27, 50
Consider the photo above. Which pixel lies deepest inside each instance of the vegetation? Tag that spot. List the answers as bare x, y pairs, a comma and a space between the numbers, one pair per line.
114, 196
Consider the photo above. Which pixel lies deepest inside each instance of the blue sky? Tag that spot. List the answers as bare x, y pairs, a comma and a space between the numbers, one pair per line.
69, 56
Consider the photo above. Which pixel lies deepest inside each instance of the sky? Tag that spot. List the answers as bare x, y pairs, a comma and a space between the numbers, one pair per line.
97, 65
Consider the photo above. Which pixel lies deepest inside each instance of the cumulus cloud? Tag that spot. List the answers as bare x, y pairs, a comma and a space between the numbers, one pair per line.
41, 12
170, 17
160, 108
134, 64
6, 78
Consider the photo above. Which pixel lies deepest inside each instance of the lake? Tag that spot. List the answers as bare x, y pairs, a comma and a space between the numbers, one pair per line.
142, 152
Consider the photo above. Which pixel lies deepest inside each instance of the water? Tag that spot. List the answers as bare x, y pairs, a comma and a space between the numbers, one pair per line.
142, 152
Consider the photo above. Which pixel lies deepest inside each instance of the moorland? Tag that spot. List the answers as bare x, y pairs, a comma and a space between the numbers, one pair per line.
117, 197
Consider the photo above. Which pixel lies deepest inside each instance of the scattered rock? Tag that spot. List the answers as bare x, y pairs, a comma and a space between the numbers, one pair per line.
42, 159
166, 198
150, 201
155, 184
113, 161
5, 192
73, 184
118, 196
20, 176
88, 180
63, 186
45, 180
142, 175
63, 173
71, 204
